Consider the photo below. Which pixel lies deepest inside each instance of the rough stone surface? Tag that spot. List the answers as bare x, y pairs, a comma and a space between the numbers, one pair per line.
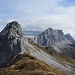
10, 42
57, 40
70, 38
51, 37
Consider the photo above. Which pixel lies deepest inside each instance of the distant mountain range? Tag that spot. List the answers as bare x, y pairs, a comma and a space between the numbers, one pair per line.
58, 41
31, 33
49, 53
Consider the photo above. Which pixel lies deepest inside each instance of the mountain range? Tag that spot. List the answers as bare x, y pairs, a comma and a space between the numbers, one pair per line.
58, 41
49, 53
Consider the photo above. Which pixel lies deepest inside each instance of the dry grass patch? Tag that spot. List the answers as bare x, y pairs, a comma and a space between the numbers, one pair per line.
27, 65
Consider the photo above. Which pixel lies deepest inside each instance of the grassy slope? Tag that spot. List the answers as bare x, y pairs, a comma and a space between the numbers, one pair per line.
27, 65
51, 52
61, 58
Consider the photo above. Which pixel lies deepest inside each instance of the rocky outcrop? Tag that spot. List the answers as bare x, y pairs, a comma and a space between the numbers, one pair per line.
51, 37
10, 42
57, 40
70, 38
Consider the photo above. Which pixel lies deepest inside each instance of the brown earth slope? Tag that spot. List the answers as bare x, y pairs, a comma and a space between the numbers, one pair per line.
27, 65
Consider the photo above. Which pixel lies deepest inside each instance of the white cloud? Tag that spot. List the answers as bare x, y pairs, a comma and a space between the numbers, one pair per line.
64, 19
41, 14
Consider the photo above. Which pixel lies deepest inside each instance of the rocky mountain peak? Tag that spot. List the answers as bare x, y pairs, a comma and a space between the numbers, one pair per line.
58, 41
68, 35
12, 27
54, 32
13, 23
50, 37
10, 42
49, 29
70, 38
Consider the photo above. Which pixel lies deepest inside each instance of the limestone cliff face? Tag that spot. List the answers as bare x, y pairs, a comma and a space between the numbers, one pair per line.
10, 42
70, 38
58, 41
51, 37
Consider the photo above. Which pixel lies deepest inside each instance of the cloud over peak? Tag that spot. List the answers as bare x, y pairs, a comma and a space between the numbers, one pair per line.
39, 14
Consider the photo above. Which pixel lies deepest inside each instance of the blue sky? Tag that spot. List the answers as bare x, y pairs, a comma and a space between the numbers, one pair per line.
38, 15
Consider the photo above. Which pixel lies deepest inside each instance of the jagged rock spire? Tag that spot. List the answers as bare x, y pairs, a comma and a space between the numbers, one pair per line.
10, 42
